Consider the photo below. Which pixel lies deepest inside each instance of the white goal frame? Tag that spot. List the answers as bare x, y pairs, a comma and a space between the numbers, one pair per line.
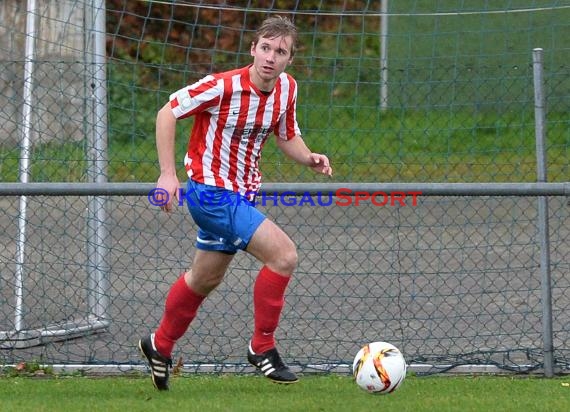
98, 301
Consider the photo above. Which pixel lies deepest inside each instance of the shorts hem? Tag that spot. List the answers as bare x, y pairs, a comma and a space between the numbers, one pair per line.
216, 248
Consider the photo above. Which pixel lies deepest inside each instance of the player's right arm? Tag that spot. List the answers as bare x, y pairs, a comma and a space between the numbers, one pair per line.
165, 135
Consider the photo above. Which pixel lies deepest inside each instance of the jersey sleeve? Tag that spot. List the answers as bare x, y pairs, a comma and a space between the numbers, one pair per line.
287, 127
196, 98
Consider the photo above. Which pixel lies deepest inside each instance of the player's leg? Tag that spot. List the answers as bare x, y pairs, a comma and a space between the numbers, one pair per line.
271, 245
274, 248
186, 296
278, 253
182, 303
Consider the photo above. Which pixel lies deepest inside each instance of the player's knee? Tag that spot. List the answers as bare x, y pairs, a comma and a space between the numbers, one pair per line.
285, 261
204, 284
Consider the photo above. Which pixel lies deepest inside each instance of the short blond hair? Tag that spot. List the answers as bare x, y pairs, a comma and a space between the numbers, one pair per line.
276, 26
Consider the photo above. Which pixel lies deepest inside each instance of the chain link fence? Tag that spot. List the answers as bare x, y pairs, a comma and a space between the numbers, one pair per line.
451, 280
455, 281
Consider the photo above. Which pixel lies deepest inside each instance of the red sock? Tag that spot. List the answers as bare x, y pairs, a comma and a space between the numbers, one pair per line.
268, 301
181, 306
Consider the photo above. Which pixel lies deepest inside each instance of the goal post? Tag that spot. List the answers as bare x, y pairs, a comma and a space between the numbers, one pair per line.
89, 20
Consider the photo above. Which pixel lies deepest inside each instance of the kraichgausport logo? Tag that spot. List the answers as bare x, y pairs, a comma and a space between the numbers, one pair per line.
341, 197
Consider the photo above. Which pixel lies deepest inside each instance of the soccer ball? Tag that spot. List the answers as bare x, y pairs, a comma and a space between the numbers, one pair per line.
379, 367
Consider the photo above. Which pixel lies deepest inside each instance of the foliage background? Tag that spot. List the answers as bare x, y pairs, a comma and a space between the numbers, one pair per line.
460, 86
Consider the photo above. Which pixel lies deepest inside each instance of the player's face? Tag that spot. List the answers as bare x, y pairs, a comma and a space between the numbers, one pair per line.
270, 59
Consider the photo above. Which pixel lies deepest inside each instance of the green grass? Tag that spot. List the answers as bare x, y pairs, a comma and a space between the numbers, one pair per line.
329, 393
460, 98
415, 146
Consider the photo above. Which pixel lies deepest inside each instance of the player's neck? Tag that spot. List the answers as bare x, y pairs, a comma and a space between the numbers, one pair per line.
264, 86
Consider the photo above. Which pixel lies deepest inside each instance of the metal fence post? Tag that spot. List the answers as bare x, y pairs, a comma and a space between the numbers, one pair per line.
548, 347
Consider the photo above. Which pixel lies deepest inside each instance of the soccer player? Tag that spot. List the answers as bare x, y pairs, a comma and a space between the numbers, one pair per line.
235, 112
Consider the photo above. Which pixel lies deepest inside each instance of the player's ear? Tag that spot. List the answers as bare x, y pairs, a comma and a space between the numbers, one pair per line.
252, 50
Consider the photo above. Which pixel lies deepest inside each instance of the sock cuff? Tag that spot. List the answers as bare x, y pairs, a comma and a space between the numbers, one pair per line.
273, 277
188, 290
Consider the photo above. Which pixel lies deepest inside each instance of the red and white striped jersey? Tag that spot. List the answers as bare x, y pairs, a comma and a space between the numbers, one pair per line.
233, 119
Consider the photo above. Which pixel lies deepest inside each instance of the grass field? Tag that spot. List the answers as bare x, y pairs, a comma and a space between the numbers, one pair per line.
418, 147
313, 393
460, 99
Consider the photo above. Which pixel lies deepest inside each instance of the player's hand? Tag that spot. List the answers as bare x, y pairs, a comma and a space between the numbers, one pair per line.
321, 164
168, 186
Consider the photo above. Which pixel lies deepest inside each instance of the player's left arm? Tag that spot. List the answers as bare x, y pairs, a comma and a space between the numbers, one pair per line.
297, 150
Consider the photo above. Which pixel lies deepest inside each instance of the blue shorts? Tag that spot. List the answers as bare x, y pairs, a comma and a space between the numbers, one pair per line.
226, 220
